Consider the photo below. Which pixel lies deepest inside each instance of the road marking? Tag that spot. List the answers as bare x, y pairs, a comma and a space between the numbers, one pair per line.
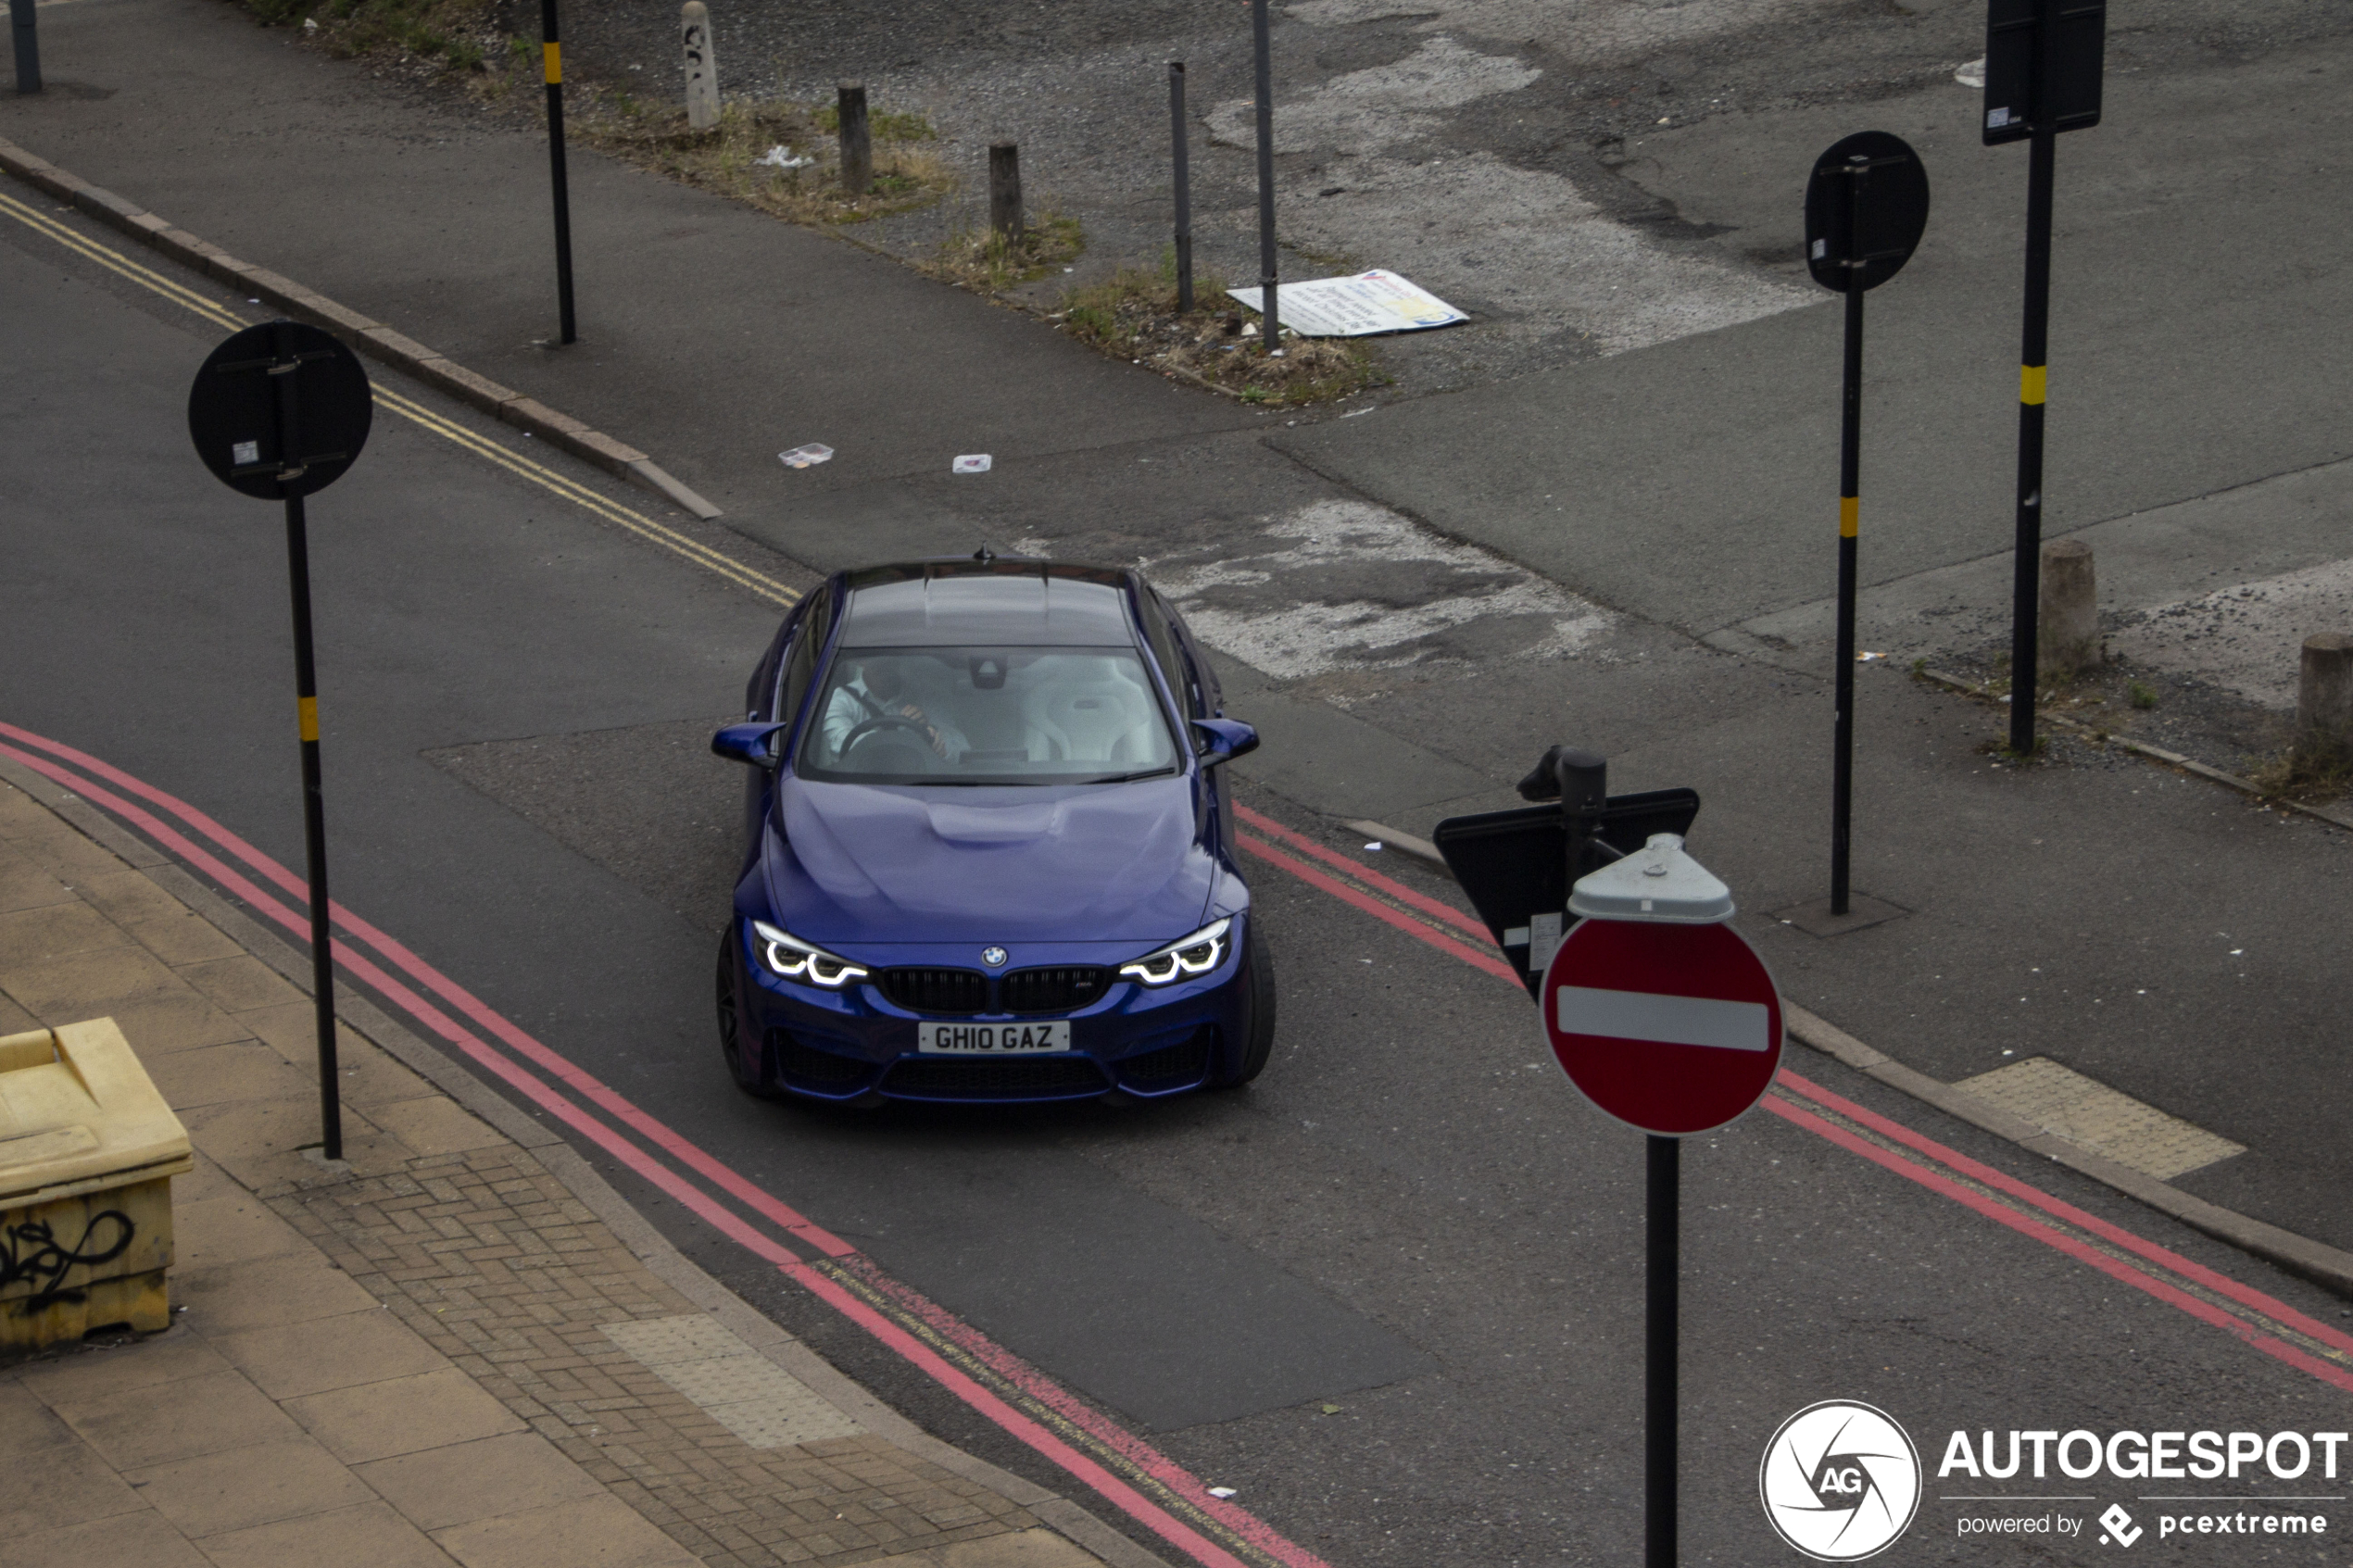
702, 555
1156, 1491
2086, 1111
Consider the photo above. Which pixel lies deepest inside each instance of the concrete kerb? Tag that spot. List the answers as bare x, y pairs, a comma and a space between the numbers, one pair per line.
582, 1179
373, 338
2325, 1266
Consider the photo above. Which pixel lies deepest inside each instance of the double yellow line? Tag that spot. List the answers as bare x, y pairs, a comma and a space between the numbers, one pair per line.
702, 555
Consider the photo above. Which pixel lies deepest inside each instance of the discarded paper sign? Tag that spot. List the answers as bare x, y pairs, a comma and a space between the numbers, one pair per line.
806, 456
976, 462
1358, 306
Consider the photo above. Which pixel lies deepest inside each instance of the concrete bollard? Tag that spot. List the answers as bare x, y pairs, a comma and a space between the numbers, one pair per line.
857, 141
2325, 699
1004, 189
2068, 629
702, 66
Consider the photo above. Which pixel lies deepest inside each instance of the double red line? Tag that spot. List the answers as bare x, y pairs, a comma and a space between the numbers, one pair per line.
1031, 1407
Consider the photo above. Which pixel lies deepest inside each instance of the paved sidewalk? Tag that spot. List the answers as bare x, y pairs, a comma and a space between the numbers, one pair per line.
440, 1355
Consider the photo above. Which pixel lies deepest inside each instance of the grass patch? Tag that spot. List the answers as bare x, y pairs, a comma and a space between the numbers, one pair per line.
728, 158
456, 35
2307, 773
1133, 315
984, 259
2141, 695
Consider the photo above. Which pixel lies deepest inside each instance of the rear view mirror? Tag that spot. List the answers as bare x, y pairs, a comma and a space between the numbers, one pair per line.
1222, 740
754, 745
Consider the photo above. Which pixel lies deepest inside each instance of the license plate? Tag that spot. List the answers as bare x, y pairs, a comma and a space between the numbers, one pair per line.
992, 1039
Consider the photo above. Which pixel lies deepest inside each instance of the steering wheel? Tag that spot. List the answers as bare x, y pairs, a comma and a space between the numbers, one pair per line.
883, 721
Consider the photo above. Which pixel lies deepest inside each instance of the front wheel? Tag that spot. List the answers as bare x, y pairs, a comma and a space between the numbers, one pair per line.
742, 1058
1258, 1031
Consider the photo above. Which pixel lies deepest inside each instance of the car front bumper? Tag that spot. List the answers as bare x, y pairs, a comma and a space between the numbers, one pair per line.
855, 1044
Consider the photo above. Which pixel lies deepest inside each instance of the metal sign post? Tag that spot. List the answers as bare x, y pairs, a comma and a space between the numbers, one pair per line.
1665, 1018
552, 53
1269, 322
25, 28
1184, 181
279, 412
1660, 1014
1865, 208
2043, 70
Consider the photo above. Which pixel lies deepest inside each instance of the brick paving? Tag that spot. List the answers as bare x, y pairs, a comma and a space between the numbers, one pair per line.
488, 1257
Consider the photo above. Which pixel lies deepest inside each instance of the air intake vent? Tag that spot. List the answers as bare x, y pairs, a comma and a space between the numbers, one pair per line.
1051, 990
937, 990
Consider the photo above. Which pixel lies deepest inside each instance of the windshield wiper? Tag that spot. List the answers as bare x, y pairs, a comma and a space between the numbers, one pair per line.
1123, 778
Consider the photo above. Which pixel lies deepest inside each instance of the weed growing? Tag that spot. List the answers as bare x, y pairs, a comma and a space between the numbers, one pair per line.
984, 259
1133, 315
2309, 772
739, 156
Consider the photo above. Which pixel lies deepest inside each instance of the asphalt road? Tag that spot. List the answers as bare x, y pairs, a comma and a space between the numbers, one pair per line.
1390, 1294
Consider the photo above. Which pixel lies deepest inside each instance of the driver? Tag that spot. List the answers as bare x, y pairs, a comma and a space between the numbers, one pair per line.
877, 690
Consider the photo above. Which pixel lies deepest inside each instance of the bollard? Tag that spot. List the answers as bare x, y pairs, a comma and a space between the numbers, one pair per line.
2068, 618
857, 142
2325, 699
1004, 189
28, 40
702, 66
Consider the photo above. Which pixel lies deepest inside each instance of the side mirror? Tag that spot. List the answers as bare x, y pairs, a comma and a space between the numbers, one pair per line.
753, 745
1222, 740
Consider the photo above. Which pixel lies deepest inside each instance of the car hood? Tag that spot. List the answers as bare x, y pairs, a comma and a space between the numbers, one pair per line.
875, 863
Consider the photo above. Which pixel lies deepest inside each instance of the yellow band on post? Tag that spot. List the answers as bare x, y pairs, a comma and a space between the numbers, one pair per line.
555, 53
2030, 382
1850, 515
306, 708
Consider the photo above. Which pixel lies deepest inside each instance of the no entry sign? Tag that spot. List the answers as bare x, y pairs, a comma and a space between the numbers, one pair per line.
1672, 1029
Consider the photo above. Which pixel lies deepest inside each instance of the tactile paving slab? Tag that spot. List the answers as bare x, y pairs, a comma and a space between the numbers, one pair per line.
740, 1388
2084, 1111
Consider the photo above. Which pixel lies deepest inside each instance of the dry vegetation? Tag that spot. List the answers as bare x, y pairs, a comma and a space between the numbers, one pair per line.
779, 156
1134, 316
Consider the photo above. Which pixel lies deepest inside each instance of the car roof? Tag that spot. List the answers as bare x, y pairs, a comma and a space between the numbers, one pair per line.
987, 600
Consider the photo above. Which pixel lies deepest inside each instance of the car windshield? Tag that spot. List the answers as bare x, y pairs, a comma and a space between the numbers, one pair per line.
986, 716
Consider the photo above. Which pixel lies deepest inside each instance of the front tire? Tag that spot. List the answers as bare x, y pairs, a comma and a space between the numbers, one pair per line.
743, 1059
1258, 1031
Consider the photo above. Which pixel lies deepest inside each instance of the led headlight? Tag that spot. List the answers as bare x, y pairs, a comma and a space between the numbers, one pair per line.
1197, 953
795, 959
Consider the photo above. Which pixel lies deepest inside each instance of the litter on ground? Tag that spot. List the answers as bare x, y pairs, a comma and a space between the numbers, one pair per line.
976, 462
1358, 306
806, 456
781, 157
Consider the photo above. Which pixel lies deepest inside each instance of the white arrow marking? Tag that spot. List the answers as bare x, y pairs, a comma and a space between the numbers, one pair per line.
1666, 1020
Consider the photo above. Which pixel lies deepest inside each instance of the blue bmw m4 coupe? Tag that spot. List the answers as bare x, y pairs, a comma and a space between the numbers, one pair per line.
989, 846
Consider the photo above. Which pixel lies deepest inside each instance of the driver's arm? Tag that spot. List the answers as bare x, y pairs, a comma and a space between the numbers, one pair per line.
844, 713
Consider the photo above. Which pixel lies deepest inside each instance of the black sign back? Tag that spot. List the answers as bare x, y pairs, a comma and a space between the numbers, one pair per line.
1865, 208
2069, 79
280, 411
1514, 864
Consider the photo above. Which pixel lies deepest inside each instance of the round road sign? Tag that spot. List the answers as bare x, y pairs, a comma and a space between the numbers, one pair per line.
1866, 204
1672, 1029
280, 411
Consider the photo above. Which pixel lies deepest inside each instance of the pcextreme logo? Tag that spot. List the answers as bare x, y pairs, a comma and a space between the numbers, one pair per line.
1841, 1481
